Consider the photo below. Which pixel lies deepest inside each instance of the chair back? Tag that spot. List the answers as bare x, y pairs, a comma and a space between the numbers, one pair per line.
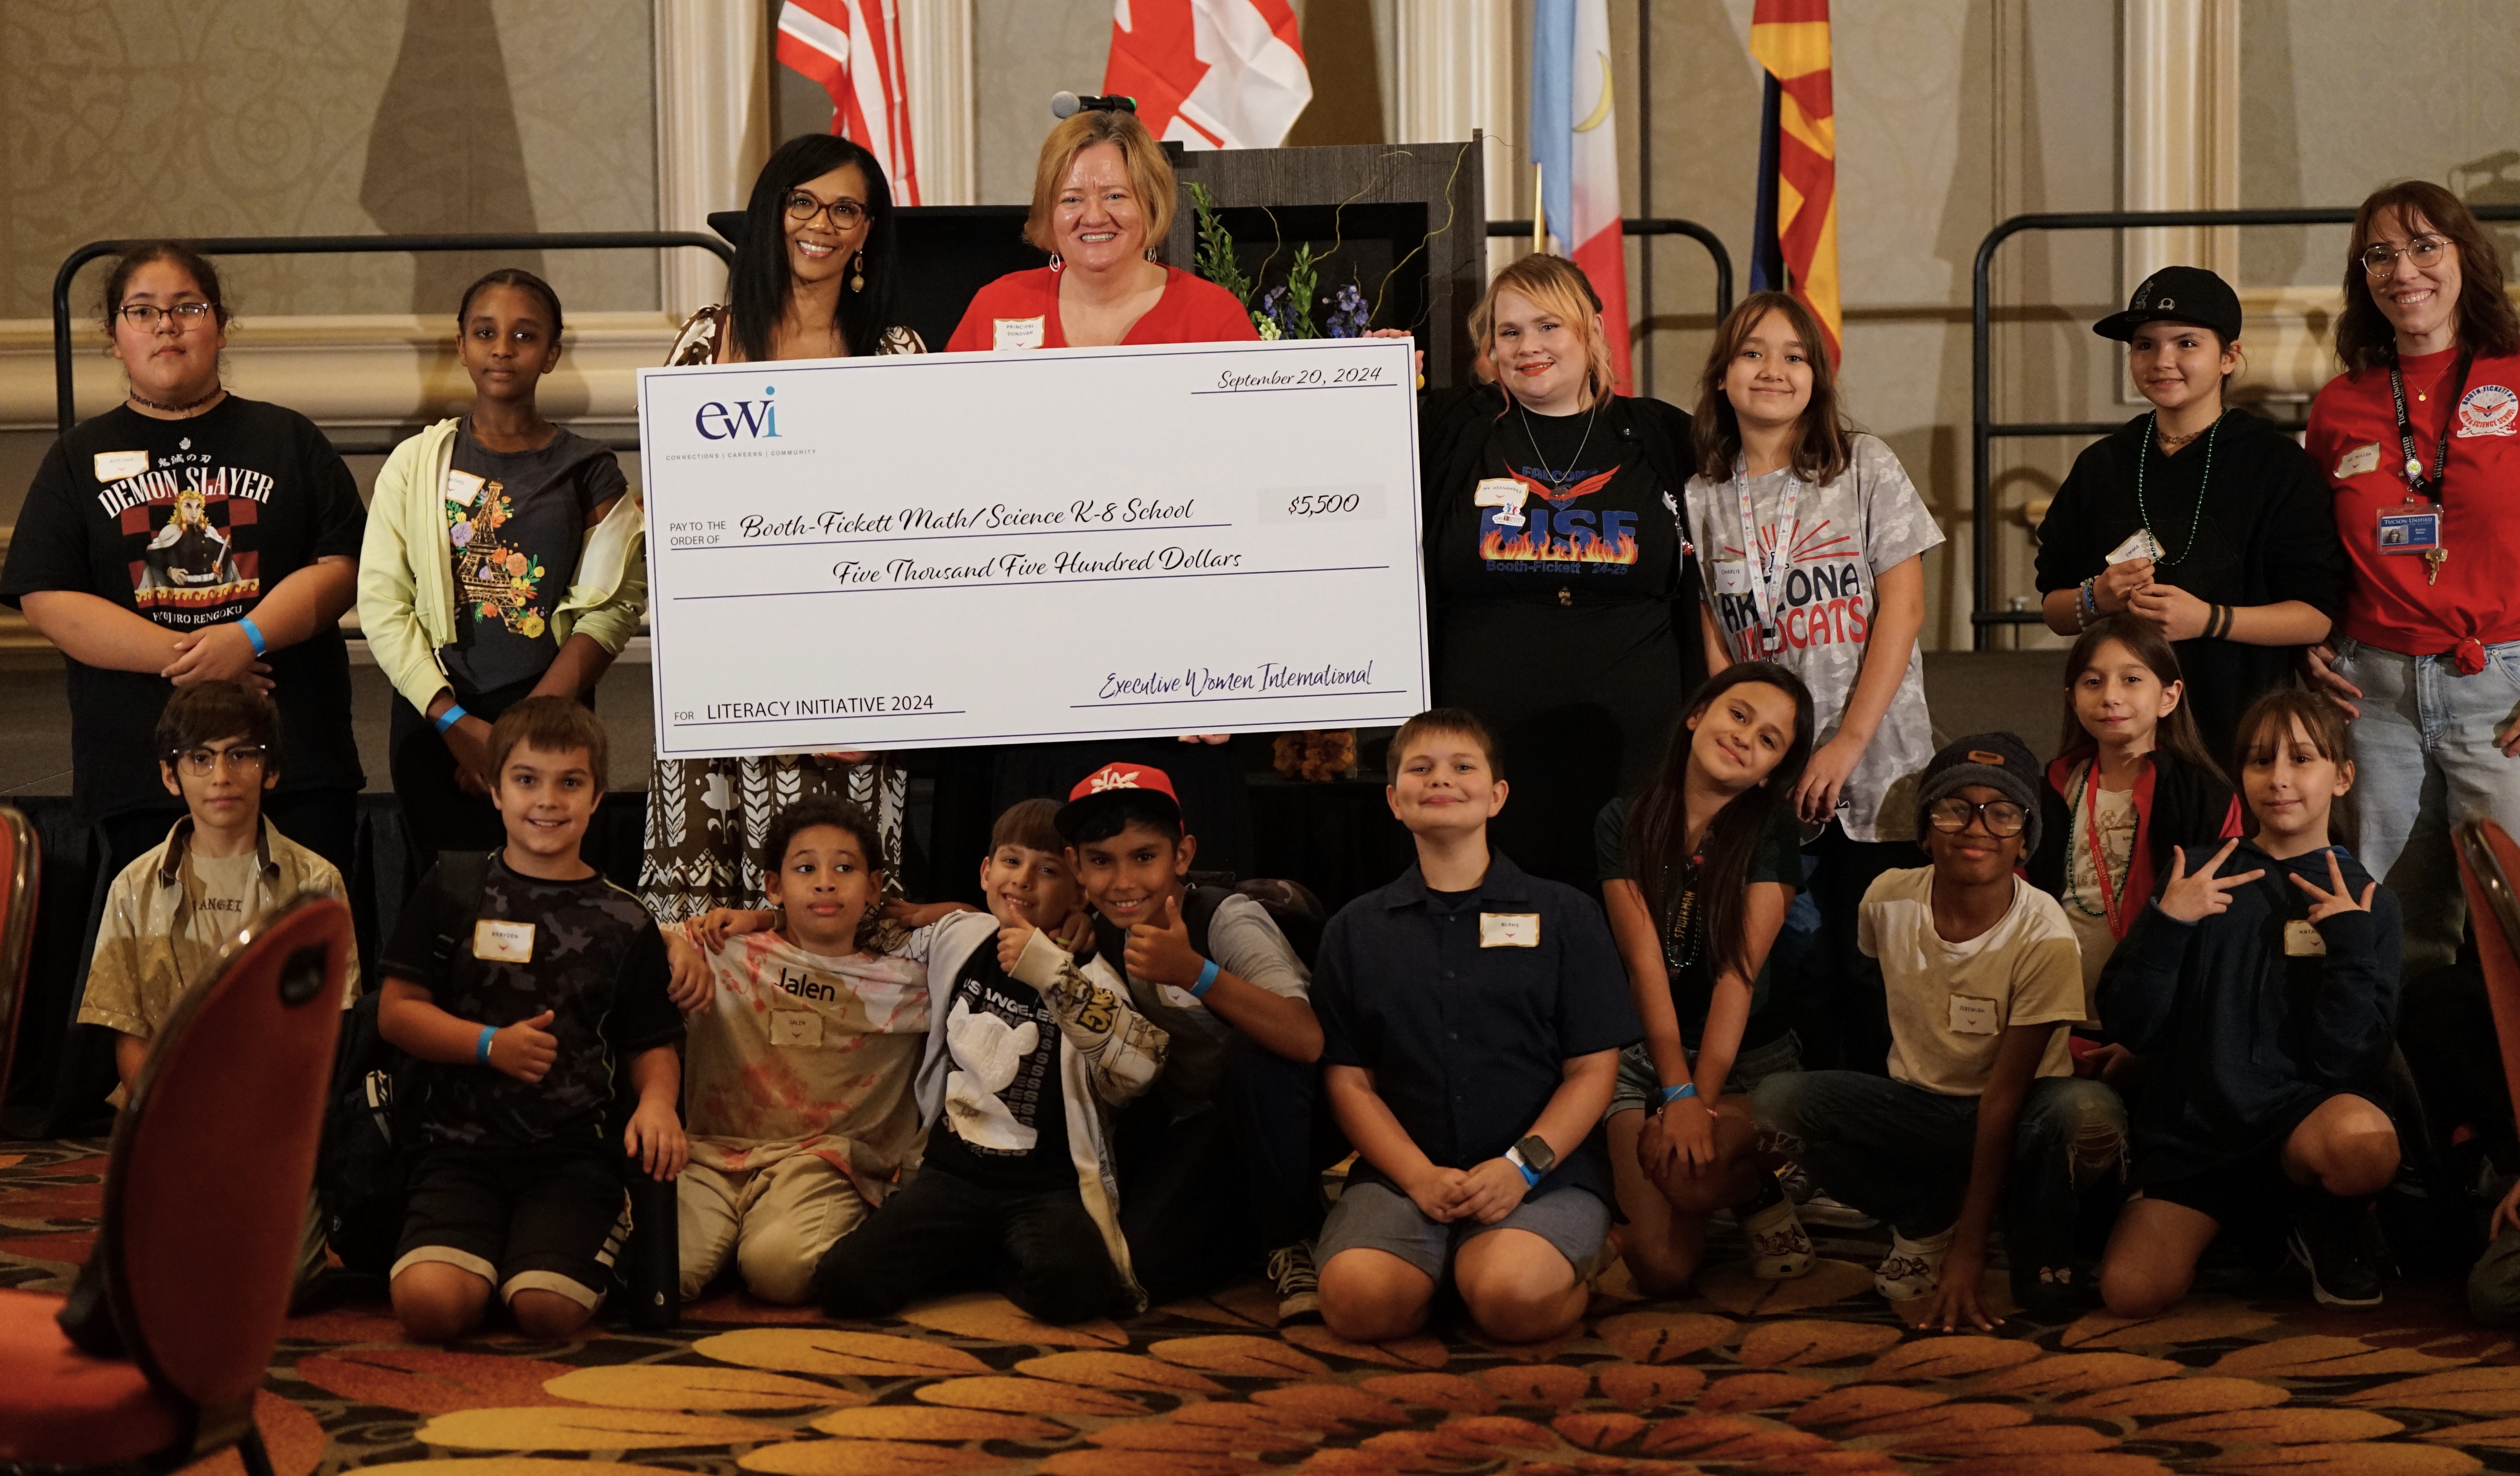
2489, 865
205, 1192
20, 865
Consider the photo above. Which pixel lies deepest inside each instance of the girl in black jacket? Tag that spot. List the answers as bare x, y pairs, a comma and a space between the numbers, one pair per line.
2265, 1002
2131, 780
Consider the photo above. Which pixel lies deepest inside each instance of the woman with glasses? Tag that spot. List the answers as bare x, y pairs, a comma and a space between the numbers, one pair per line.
189, 535
814, 278
2202, 520
2416, 438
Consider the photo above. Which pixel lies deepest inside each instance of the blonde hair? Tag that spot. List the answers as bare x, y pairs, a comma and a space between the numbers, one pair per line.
1558, 286
1150, 173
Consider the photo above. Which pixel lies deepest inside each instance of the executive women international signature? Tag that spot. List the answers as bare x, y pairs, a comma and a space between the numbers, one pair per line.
1204, 681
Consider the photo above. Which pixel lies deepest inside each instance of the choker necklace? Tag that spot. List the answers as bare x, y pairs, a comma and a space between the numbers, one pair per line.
215, 391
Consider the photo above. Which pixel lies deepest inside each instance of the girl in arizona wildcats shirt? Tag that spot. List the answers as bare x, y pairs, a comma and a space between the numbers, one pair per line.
1810, 541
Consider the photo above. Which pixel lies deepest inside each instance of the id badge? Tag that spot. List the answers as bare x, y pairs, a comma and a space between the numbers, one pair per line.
1509, 929
1973, 1016
799, 1028
2409, 532
503, 942
2139, 544
2302, 940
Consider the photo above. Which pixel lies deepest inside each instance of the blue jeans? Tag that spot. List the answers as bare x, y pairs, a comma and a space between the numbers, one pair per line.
2424, 760
1901, 1153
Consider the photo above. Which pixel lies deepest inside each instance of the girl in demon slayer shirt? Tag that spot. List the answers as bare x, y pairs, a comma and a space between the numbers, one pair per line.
1812, 539
1564, 608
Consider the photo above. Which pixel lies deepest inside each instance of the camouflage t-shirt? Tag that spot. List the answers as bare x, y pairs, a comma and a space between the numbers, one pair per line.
584, 950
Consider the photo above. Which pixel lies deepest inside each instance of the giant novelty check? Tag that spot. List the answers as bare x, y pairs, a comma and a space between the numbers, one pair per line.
1001, 548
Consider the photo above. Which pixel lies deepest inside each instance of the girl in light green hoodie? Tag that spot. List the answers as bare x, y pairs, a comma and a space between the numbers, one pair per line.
503, 561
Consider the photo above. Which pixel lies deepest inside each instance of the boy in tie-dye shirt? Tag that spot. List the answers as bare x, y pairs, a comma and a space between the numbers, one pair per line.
804, 1045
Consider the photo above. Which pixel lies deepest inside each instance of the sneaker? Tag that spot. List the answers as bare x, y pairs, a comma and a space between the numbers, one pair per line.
1822, 1209
2330, 1245
1299, 1286
1779, 1251
1913, 1267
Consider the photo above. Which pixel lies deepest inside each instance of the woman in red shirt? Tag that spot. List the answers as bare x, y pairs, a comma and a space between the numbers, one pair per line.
2417, 439
1102, 201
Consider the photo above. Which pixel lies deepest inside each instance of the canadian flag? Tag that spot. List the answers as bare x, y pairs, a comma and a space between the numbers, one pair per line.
853, 49
1210, 74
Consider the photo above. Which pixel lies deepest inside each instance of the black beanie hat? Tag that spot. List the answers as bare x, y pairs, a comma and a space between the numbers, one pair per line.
2000, 761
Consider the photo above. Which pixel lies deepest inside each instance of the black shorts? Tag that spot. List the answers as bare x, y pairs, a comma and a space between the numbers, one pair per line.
530, 1219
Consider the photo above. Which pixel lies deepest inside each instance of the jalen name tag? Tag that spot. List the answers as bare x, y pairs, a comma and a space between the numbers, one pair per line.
1973, 1016
2302, 940
1509, 929
503, 942
115, 466
2409, 532
799, 1028
1017, 332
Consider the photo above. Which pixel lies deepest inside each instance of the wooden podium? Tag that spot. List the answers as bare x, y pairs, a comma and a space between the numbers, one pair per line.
1406, 222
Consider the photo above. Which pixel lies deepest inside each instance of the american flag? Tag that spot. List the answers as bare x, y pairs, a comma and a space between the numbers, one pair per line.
853, 49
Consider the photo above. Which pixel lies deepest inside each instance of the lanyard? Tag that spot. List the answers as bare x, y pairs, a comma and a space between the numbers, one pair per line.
2099, 857
1767, 567
2417, 485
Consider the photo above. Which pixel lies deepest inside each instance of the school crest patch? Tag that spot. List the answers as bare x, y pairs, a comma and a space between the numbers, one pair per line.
2488, 409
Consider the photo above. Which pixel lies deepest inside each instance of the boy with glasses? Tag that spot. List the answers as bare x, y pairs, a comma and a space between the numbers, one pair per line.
170, 913
1981, 1107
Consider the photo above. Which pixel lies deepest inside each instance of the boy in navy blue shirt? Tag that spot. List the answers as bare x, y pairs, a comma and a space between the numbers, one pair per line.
1472, 1018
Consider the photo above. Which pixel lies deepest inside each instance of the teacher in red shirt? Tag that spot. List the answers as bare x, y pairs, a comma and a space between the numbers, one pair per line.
1102, 198
2418, 438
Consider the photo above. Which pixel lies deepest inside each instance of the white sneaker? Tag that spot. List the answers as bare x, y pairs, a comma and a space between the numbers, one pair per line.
1779, 1251
1913, 1267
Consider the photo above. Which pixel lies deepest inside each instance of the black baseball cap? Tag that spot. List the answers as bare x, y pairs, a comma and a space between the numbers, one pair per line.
2177, 294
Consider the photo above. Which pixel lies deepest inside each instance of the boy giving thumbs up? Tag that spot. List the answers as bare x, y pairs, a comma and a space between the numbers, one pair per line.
1217, 1165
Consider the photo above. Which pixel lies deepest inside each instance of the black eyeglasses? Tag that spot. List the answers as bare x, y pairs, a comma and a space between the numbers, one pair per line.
846, 215
146, 315
202, 762
2001, 817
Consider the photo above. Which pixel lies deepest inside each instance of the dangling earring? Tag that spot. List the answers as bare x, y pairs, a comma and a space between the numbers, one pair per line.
1057, 263
1150, 253
857, 283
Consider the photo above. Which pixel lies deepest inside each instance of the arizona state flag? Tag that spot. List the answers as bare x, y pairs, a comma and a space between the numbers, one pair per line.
1794, 242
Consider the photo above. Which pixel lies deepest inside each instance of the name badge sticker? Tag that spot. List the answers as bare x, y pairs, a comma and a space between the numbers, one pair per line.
2409, 532
462, 487
1500, 492
503, 942
1509, 929
1179, 997
2302, 940
798, 1028
1732, 576
115, 466
1019, 333
2139, 544
2361, 459
1973, 1016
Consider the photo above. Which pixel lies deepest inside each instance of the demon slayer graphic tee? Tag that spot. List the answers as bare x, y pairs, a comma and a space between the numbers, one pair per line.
1839, 539
189, 523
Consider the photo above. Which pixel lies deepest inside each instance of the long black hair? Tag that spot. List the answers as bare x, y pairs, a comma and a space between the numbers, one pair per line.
1657, 832
758, 285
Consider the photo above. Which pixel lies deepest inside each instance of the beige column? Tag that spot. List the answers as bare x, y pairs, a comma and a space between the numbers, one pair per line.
936, 57
712, 129
1452, 66
2182, 130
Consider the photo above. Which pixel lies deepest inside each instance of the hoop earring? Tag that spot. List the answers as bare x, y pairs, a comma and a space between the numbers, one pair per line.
1057, 263
857, 282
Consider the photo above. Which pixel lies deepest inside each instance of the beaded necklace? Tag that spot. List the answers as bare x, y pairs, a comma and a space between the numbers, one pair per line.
2106, 884
2151, 432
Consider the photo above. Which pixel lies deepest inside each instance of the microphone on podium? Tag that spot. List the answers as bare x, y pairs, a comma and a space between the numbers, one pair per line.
1066, 105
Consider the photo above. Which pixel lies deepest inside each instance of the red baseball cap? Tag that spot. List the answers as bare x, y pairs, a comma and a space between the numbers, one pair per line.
1110, 780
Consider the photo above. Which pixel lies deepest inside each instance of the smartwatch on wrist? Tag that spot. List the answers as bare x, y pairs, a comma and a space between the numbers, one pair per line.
1533, 1156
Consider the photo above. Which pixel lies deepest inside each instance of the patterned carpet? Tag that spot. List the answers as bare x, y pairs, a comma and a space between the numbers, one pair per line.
1816, 1376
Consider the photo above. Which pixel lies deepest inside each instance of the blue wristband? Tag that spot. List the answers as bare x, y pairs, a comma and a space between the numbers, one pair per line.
253, 633
1664, 1097
481, 1048
1530, 1175
453, 715
1206, 980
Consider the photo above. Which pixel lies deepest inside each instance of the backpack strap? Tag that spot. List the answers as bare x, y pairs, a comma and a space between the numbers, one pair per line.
1199, 911
456, 881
